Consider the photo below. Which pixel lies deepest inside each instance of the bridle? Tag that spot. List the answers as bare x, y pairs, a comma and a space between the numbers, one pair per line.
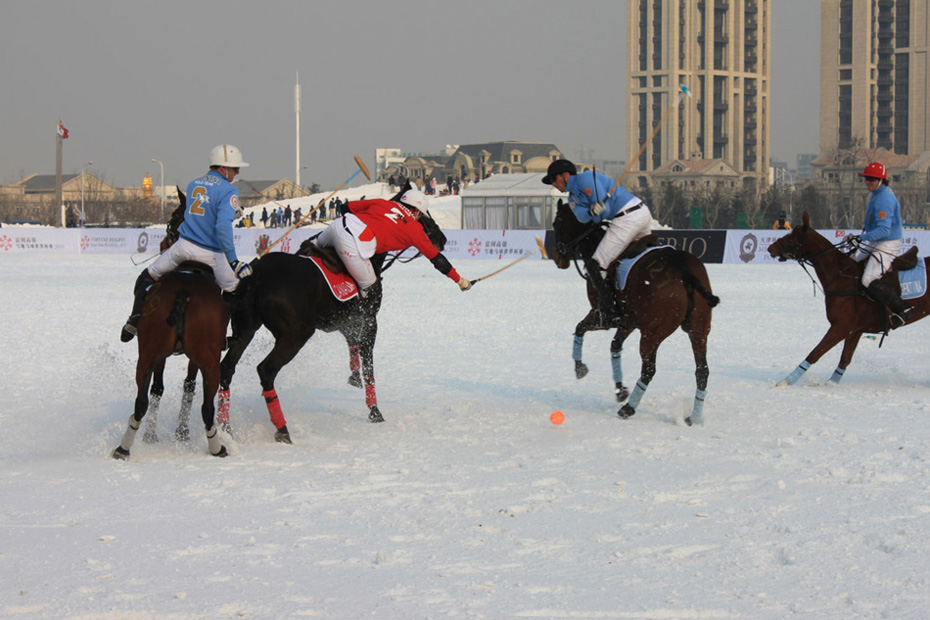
792, 251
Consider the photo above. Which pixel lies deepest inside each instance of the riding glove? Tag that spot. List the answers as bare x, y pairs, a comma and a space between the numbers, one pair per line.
596, 209
241, 269
464, 284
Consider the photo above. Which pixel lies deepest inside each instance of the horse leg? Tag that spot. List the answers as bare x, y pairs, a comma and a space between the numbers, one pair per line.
647, 351
833, 336
211, 381
367, 350
588, 323
158, 388
849, 347
183, 431
228, 369
143, 376
355, 364
701, 373
616, 357
284, 350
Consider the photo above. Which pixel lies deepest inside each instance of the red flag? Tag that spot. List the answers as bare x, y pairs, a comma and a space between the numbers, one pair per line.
62, 131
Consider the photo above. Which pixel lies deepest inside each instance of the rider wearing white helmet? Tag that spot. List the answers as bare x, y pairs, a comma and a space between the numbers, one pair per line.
377, 226
206, 234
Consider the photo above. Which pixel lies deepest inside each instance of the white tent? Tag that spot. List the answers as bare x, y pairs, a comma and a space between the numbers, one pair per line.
510, 201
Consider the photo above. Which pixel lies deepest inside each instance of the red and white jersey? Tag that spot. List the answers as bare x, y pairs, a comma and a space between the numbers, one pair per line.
393, 225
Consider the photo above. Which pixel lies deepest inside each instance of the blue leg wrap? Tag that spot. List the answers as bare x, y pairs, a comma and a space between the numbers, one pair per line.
637, 395
697, 412
797, 372
576, 348
616, 365
837, 375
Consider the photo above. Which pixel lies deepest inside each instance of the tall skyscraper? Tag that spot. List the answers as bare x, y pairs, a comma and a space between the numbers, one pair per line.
875, 75
720, 50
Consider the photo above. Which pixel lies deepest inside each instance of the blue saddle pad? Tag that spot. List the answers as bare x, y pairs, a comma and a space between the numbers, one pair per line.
913, 281
626, 264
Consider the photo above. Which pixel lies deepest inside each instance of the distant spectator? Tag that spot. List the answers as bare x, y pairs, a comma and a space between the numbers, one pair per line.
264, 217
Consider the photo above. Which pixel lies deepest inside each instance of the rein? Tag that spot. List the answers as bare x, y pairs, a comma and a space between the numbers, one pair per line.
804, 261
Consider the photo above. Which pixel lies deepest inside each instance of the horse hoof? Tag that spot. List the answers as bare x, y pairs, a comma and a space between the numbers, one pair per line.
626, 412
222, 454
688, 421
283, 436
150, 438
182, 433
581, 370
355, 380
226, 427
375, 415
621, 393
782, 383
120, 455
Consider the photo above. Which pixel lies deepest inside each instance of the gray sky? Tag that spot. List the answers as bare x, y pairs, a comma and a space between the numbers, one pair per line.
169, 80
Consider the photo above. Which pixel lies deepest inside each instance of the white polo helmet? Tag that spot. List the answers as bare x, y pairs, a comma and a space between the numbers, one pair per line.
416, 199
227, 155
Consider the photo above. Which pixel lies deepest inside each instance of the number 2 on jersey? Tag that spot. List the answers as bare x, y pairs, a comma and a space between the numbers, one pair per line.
198, 196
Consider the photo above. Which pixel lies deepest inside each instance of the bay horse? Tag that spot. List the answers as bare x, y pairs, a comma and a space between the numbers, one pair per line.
184, 312
850, 311
665, 290
182, 432
289, 295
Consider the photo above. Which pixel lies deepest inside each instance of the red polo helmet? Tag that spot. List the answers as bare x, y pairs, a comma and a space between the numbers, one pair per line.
875, 170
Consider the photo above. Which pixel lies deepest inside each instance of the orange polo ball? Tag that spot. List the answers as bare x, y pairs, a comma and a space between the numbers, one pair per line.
557, 417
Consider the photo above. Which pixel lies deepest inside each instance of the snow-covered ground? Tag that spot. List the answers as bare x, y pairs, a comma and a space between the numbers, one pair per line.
810, 501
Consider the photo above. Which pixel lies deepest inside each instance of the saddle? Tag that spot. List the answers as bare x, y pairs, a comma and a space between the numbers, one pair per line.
906, 261
639, 246
328, 255
192, 266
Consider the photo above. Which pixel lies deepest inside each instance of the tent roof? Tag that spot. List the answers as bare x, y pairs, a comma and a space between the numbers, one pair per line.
522, 184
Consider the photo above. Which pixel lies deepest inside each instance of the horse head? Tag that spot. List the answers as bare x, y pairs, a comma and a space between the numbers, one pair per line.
433, 232
792, 246
573, 240
171, 231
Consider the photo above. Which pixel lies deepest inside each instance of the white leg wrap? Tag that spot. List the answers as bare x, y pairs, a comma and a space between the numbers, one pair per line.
130, 435
213, 441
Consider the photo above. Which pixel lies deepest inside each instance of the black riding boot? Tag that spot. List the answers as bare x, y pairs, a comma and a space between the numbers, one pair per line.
143, 282
607, 294
234, 305
900, 311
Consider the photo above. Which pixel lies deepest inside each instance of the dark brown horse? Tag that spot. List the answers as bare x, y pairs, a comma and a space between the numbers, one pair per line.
182, 432
850, 311
288, 295
184, 313
658, 299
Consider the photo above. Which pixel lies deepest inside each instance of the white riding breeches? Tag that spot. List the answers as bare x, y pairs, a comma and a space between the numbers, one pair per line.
879, 255
184, 250
623, 230
343, 234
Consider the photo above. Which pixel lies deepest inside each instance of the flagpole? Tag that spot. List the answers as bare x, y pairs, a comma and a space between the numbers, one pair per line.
58, 204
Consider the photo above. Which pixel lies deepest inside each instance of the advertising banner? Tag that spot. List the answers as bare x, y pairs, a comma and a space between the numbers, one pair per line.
752, 246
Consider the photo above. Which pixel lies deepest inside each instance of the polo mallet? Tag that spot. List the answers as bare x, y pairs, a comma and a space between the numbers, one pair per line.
361, 168
685, 92
542, 250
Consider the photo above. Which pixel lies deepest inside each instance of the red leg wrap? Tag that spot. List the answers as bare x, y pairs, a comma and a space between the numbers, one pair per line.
222, 410
371, 399
274, 408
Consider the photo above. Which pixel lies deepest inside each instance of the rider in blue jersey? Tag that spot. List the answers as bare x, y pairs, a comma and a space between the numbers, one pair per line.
880, 241
591, 200
206, 234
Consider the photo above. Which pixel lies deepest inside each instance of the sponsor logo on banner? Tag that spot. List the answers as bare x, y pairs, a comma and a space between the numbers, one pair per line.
85, 243
142, 244
261, 244
286, 245
6, 244
748, 248
474, 247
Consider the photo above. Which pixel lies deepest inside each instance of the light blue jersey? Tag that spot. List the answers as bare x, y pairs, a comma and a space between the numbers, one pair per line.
586, 188
882, 216
212, 203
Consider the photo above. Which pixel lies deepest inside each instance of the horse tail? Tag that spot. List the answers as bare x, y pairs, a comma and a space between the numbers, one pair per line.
176, 315
691, 281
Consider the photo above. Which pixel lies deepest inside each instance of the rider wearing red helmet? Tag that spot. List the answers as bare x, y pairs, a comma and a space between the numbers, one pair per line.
880, 241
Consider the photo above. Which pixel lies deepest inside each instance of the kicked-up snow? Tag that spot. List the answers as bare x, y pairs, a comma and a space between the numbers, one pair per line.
809, 501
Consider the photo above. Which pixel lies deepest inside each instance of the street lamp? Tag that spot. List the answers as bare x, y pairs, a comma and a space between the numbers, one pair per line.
161, 188
83, 215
